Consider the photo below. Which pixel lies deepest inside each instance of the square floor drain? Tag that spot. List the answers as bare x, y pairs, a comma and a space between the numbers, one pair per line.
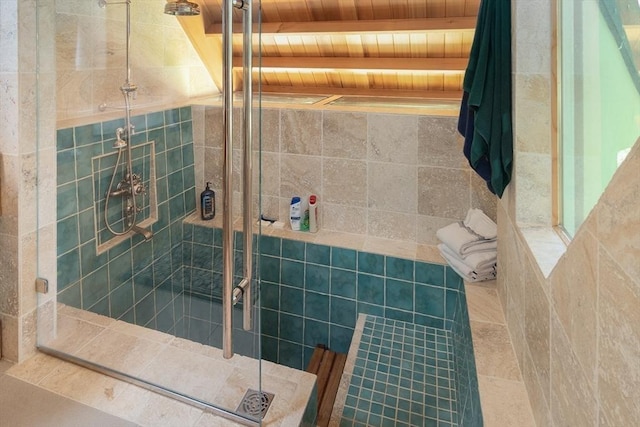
255, 403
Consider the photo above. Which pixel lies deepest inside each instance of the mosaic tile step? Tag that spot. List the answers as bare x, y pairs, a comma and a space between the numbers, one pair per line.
399, 374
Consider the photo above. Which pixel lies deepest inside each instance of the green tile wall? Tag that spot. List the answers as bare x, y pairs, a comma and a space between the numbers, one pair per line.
322, 289
311, 294
140, 282
464, 367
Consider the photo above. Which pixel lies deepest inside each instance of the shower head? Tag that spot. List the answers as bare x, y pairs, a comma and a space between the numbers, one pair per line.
181, 8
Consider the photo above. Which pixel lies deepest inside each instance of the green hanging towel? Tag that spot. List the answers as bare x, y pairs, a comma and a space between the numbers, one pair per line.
488, 83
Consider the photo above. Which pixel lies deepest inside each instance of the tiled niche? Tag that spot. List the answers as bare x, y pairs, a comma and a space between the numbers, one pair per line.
109, 211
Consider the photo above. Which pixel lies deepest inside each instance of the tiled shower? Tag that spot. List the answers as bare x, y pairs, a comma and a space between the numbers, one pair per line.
310, 293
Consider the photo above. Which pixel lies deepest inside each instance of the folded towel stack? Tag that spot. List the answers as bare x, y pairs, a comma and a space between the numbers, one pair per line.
470, 247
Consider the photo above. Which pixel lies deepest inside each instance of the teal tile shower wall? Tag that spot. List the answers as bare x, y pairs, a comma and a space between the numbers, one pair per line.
137, 281
468, 410
311, 294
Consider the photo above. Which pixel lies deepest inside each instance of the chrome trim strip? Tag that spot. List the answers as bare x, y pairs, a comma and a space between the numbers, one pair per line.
200, 404
247, 177
227, 209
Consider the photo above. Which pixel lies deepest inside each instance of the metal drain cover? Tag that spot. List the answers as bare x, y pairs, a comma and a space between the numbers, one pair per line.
255, 403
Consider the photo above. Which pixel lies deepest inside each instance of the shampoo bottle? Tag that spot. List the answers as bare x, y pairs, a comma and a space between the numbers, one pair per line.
313, 213
207, 203
294, 213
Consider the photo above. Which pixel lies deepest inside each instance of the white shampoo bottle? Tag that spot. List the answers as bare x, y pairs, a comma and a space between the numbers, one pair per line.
294, 213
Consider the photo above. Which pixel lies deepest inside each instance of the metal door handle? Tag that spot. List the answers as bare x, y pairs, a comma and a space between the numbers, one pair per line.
230, 296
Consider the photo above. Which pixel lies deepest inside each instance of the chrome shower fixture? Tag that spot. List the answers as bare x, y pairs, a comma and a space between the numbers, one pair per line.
120, 142
128, 188
131, 185
123, 136
182, 8
144, 232
128, 88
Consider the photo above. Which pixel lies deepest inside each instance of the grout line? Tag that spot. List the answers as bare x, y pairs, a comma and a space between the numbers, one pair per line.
501, 379
486, 321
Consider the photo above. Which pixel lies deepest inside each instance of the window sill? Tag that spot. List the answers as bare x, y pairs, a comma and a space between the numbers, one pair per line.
546, 246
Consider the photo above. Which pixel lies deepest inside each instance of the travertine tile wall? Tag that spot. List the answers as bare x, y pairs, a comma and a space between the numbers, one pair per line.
532, 83
91, 58
80, 56
390, 176
18, 170
9, 181
576, 333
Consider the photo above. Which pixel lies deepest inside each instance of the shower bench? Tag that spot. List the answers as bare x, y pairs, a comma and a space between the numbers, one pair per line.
328, 366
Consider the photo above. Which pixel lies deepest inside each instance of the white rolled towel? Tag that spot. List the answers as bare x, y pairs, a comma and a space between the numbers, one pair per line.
477, 261
481, 224
464, 270
478, 246
464, 241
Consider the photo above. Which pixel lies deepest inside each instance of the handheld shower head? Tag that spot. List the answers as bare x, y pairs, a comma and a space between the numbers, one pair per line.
181, 8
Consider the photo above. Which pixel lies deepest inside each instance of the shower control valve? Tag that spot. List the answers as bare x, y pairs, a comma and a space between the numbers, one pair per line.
138, 185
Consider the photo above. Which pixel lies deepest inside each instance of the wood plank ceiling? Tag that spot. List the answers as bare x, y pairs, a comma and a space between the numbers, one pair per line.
391, 48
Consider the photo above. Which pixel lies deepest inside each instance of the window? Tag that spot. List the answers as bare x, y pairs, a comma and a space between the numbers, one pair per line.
600, 99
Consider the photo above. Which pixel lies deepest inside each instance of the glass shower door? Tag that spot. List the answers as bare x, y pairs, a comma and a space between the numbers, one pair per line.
138, 286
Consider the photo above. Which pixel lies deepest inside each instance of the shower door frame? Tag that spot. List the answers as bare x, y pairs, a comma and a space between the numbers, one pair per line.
231, 294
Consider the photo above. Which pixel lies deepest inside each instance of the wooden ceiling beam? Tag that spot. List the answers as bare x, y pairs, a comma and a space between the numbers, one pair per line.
346, 63
377, 26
